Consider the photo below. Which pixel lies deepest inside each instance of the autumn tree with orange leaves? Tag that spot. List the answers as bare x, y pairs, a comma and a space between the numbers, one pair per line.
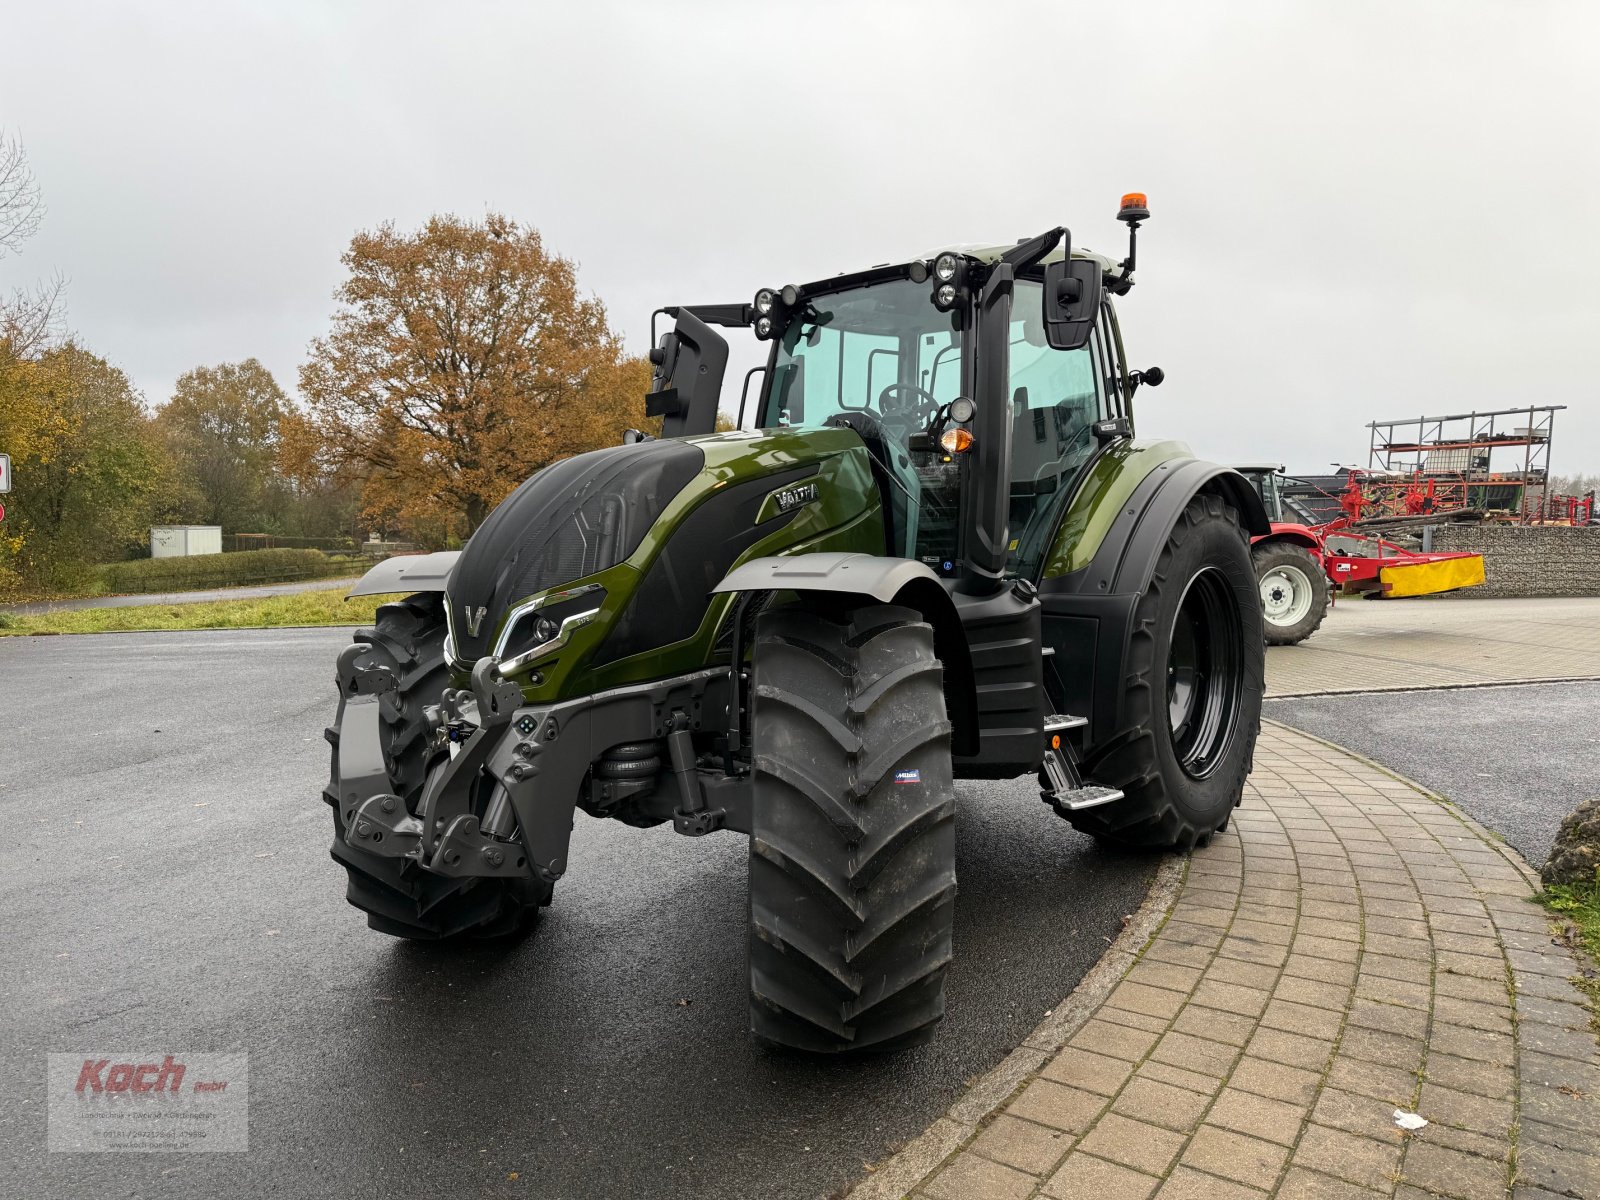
462, 359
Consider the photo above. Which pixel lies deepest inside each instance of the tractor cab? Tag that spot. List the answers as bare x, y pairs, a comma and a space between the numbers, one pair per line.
881, 356
984, 380
1282, 508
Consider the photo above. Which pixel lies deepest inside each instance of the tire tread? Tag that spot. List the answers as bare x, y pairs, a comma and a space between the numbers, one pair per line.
852, 876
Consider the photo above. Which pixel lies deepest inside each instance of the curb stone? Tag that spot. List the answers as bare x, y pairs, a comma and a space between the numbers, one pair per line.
921, 1157
1431, 687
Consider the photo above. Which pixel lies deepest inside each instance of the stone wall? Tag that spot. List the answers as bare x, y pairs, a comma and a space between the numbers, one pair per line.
1547, 560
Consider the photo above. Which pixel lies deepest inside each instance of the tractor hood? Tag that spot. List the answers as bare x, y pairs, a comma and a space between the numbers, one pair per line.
587, 514
576, 517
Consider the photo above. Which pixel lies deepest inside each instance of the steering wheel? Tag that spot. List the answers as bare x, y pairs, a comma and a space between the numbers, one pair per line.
903, 417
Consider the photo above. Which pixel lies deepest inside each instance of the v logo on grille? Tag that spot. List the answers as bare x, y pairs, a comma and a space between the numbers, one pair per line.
474, 618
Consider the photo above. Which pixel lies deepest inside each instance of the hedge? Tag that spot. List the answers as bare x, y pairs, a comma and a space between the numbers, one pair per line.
192, 572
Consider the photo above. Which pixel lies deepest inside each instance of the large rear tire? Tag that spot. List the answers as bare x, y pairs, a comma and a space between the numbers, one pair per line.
1194, 683
399, 897
852, 846
1294, 591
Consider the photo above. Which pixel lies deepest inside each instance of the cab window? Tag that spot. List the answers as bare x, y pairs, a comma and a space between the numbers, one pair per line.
1056, 397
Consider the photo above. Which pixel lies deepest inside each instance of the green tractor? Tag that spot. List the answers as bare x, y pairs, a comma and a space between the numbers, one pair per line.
937, 553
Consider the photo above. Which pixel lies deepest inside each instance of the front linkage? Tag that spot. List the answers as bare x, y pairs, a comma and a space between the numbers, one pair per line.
534, 759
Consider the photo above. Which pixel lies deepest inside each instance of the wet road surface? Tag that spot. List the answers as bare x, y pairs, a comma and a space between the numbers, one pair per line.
167, 888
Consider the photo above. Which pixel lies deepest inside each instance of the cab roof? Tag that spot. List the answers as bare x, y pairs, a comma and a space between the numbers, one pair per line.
989, 254
976, 250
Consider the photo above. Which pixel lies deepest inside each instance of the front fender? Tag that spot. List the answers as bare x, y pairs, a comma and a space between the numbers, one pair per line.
889, 581
407, 573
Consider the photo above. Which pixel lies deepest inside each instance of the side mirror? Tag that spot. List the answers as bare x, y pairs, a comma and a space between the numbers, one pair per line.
1072, 291
687, 382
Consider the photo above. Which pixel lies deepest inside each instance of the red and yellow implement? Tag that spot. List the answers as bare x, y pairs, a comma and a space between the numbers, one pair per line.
1367, 563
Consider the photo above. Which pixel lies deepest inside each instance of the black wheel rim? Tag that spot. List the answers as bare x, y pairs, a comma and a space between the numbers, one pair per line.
1205, 662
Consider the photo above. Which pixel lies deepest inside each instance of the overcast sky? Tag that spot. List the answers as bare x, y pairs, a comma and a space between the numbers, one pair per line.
1361, 210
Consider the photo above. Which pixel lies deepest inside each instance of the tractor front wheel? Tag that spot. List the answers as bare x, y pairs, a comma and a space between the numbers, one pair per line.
852, 846
1194, 684
1294, 591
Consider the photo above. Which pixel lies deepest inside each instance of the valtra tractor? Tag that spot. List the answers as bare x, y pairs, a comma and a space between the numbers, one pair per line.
938, 553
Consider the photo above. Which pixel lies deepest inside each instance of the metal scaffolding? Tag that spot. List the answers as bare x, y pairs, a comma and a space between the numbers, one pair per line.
1454, 454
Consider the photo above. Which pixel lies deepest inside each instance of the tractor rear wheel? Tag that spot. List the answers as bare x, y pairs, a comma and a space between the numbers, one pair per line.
1193, 707
1294, 591
852, 846
399, 897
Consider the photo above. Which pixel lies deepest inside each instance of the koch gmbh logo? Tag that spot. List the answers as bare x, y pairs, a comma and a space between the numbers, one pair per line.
148, 1102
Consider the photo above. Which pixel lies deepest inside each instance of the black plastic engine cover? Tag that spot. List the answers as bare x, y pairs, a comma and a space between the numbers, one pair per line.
572, 519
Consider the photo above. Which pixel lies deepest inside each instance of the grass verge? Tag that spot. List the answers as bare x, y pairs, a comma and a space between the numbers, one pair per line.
1580, 904
301, 608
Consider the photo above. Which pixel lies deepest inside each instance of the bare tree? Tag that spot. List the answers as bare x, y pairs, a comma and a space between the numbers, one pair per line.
30, 317
21, 207
30, 320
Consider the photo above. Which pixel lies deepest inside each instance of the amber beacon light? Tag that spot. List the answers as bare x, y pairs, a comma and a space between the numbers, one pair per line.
956, 441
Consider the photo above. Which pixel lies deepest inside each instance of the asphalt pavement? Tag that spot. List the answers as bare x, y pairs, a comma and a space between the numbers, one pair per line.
36, 607
167, 888
1516, 758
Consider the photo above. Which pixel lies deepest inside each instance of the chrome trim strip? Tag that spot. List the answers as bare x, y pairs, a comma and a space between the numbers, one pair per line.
575, 621
528, 606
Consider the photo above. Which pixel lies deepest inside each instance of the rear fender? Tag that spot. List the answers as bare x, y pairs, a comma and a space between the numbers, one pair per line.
1088, 613
889, 581
1295, 535
1127, 556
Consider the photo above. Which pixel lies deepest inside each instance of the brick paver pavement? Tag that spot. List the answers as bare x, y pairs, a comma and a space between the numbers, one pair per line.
1350, 946
1384, 644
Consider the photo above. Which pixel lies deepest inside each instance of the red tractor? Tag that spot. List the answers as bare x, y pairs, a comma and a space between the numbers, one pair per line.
1295, 589
1301, 563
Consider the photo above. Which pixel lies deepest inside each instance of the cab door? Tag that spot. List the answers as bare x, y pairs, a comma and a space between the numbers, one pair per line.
1057, 396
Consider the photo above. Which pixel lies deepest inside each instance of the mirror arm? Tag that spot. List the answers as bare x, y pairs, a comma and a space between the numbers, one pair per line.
1025, 253
744, 393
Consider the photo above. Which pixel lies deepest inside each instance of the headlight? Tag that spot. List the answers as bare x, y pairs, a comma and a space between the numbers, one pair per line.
763, 327
541, 627
944, 267
764, 299
945, 296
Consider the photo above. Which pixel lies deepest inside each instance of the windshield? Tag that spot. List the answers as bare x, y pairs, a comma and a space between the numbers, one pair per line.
881, 352
883, 349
